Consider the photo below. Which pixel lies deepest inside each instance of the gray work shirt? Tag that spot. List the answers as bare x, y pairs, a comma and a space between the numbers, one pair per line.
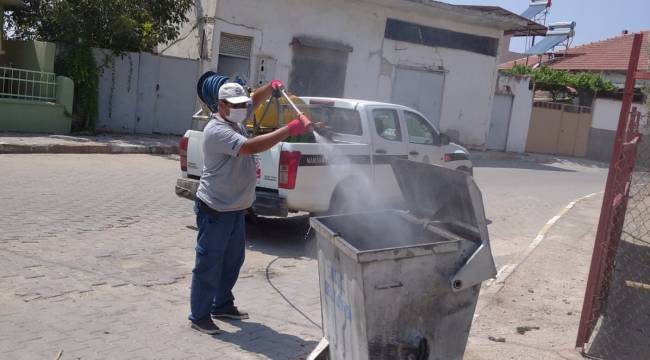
228, 180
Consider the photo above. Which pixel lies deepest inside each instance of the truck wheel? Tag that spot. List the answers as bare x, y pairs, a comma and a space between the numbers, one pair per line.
466, 170
349, 197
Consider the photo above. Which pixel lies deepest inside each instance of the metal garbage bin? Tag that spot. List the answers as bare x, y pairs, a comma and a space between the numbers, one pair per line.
404, 284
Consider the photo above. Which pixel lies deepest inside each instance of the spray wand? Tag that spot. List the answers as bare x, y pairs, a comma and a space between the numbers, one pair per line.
306, 122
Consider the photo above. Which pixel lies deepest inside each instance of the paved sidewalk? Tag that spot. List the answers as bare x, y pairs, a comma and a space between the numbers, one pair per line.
18, 143
543, 297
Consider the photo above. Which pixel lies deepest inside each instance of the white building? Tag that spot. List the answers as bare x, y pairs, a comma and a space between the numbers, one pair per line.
438, 58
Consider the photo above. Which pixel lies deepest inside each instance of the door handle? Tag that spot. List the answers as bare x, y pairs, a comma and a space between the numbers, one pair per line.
414, 153
381, 151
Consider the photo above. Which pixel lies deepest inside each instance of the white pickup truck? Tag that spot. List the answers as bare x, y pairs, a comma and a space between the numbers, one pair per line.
313, 176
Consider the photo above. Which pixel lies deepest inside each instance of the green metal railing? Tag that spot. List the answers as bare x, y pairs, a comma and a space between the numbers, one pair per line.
27, 85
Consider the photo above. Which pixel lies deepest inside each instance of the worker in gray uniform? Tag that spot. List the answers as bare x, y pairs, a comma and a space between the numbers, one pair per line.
226, 191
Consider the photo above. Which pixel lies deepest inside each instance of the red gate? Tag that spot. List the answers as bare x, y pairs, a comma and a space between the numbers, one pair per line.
614, 208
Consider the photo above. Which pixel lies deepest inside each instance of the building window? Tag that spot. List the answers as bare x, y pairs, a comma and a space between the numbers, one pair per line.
235, 56
318, 67
435, 37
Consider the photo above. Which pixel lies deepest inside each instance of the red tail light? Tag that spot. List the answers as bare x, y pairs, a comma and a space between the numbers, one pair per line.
182, 151
448, 158
289, 161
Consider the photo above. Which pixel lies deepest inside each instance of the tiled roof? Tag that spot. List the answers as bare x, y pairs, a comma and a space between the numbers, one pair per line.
606, 55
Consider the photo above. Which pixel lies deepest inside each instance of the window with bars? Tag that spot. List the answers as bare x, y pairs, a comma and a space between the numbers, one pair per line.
234, 56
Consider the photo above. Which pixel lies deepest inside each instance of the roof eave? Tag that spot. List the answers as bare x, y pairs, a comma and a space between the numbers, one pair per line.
487, 16
516, 25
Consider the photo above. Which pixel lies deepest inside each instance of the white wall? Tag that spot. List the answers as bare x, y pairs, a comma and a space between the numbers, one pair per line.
606, 113
138, 93
522, 107
117, 100
188, 44
372, 63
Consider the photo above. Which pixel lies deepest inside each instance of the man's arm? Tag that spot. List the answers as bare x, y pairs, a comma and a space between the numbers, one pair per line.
263, 93
261, 143
264, 142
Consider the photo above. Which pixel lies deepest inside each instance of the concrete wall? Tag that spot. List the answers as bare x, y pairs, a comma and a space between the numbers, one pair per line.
606, 114
522, 106
30, 116
373, 60
29, 55
65, 93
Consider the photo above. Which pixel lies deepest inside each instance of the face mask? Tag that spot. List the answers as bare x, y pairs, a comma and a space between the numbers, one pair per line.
238, 115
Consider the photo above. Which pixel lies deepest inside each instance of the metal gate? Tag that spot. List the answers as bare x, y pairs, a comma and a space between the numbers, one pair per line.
559, 129
500, 122
420, 90
144, 93
615, 320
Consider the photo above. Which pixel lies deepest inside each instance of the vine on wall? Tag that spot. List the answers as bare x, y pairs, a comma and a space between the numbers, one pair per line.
78, 63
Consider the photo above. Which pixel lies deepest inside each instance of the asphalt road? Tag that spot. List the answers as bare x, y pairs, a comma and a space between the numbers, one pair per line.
521, 196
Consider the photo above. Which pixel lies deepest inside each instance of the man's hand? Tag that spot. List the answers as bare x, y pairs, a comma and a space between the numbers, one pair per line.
277, 87
296, 127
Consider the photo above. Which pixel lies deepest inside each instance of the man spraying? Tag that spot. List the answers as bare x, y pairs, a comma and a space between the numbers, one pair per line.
226, 190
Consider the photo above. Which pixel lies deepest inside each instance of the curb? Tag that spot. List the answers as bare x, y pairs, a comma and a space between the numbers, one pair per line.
489, 155
88, 149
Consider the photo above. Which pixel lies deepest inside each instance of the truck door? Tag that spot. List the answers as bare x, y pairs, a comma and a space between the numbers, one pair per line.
388, 141
422, 139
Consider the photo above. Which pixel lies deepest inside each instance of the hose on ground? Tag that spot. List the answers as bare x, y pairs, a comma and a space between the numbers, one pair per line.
268, 279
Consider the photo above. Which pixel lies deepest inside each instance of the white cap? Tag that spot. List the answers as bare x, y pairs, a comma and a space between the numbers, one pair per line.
233, 93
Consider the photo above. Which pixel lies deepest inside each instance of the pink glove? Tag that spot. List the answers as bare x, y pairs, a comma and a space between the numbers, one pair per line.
277, 85
296, 128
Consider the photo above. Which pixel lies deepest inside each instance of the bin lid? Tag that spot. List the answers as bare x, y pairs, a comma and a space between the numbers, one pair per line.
439, 194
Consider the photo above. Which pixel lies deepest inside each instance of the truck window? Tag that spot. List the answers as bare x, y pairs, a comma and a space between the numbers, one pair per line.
420, 131
338, 120
387, 124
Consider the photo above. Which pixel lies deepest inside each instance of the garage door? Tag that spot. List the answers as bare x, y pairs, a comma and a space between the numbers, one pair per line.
421, 90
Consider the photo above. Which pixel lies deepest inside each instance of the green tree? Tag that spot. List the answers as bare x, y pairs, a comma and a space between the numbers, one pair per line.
588, 85
556, 81
118, 25
77, 26
551, 80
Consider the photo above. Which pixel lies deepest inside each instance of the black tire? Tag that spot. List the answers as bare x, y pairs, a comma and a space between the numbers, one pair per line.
466, 170
341, 202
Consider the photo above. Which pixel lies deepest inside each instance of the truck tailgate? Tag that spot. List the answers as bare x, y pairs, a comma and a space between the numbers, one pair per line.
267, 168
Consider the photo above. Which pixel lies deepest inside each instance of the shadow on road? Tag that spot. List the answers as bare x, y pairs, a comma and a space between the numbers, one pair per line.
261, 339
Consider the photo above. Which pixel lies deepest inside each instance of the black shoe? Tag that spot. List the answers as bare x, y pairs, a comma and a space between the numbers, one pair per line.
232, 313
206, 326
